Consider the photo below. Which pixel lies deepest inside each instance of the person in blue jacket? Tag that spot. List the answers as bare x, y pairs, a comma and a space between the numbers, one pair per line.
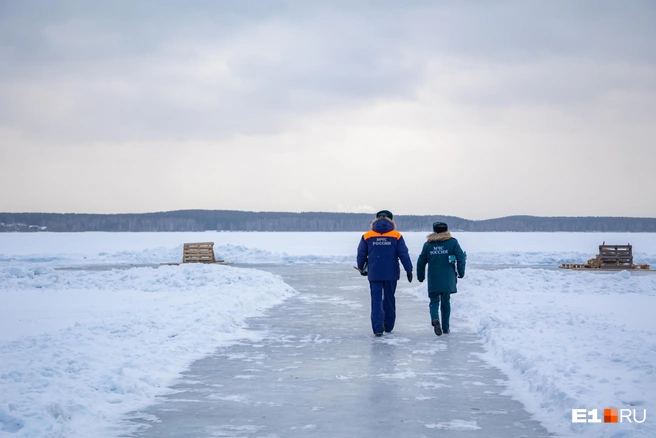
446, 263
379, 252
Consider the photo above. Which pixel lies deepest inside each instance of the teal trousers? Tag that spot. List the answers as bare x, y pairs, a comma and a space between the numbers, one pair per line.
440, 303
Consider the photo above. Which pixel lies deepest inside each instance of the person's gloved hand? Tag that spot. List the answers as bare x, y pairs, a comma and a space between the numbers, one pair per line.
410, 276
461, 276
363, 273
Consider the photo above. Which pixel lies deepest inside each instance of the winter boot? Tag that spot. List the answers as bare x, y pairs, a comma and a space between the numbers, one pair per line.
437, 327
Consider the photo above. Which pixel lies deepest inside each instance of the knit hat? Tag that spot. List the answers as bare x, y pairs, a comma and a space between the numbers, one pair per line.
385, 213
440, 227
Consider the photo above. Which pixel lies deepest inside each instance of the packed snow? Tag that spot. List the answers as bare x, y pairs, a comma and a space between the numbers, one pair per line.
92, 327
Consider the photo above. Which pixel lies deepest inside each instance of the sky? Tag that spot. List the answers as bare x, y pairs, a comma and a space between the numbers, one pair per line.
463, 108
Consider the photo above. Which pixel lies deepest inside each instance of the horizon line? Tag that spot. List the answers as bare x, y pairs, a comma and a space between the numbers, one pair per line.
332, 212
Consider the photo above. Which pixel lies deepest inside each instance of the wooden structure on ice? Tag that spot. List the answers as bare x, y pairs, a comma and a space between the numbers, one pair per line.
200, 252
610, 257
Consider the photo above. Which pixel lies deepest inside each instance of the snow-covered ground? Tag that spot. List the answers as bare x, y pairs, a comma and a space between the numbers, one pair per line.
80, 347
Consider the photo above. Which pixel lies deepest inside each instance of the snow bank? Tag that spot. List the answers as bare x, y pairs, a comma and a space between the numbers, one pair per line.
567, 340
241, 254
154, 256
103, 343
497, 249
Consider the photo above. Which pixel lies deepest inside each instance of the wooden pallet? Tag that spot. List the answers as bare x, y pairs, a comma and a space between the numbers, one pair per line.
615, 256
610, 257
586, 267
200, 252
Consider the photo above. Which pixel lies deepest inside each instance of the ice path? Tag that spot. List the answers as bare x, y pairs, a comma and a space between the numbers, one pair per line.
318, 371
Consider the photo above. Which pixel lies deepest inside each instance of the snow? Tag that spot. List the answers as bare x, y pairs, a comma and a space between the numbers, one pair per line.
454, 425
567, 340
91, 327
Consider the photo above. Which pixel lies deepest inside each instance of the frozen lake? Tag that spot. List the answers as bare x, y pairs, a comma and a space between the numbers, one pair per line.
93, 329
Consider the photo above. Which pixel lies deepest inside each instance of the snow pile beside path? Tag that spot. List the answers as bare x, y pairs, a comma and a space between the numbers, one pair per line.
542, 258
243, 254
537, 258
567, 340
230, 253
116, 339
289, 248
153, 256
525, 258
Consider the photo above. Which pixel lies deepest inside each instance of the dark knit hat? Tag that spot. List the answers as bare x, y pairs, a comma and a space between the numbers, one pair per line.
385, 213
440, 227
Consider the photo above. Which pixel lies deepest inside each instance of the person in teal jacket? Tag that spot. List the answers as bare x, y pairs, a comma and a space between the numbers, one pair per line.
446, 263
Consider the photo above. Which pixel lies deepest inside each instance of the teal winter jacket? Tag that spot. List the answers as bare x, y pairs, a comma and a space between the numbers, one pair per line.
442, 273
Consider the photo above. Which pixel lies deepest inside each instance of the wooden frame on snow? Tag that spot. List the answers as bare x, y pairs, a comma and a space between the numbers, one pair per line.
610, 257
199, 252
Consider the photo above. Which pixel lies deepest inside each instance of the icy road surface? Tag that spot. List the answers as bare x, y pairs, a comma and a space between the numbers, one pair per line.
316, 370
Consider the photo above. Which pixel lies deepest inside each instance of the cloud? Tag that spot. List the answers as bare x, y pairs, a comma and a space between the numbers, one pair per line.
88, 82
78, 71
356, 208
303, 106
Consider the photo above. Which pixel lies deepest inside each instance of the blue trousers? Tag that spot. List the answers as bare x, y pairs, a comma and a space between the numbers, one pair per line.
440, 302
383, 305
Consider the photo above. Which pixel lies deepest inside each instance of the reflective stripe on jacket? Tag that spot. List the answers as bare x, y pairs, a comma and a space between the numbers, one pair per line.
381, 248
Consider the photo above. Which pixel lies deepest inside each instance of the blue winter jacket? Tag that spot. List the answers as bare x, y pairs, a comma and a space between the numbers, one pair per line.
381, 248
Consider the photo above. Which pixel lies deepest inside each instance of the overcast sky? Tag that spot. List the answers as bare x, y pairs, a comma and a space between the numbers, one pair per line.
467, 108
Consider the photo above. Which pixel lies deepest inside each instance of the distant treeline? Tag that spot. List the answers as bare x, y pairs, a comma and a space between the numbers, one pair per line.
228, 220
